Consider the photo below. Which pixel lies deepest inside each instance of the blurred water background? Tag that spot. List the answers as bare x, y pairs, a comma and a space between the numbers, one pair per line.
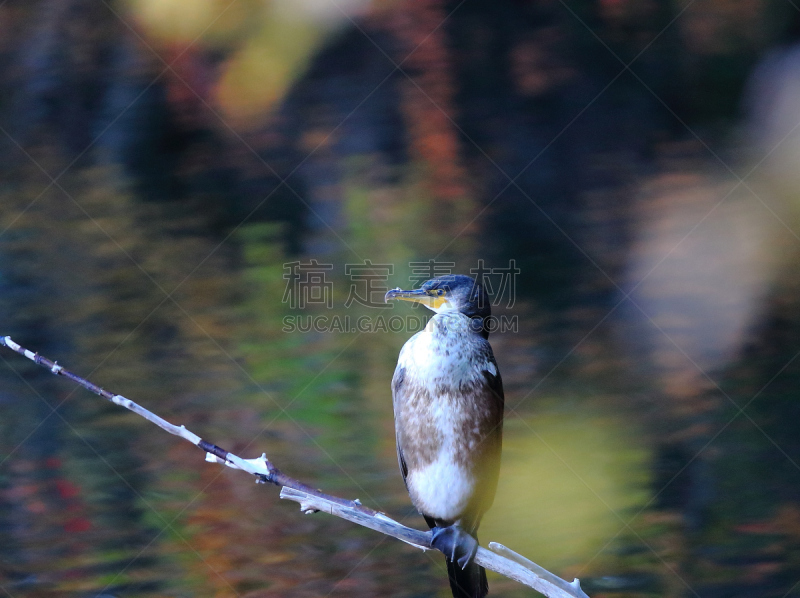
162, 161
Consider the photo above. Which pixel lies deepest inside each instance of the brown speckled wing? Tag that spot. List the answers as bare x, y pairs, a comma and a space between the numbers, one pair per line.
397, 384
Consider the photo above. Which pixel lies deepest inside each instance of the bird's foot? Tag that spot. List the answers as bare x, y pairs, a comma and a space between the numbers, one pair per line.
456, 544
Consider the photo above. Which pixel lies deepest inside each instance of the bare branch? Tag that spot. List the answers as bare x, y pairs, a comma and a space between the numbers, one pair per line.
500, 559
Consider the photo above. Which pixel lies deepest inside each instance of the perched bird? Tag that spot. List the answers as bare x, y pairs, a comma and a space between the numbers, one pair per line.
448, 413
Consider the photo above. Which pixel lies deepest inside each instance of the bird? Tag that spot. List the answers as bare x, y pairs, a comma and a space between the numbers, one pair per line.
448, 403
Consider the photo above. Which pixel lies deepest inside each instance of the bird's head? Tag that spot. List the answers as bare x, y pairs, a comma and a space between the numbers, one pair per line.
451, 293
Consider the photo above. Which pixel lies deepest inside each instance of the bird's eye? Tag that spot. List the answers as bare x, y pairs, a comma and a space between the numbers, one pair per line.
440, 292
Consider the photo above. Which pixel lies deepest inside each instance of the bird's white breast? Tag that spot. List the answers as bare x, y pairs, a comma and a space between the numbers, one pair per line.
439, 357
439, 352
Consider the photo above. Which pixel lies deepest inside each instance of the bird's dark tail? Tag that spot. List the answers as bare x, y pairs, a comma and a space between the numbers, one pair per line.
467, 583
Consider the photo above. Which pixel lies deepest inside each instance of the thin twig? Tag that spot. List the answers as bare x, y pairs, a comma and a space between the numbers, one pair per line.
500, 559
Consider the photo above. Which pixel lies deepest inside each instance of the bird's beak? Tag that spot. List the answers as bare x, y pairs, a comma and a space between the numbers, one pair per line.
416, 296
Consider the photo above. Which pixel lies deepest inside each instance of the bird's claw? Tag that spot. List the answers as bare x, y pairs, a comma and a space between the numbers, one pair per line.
456, 544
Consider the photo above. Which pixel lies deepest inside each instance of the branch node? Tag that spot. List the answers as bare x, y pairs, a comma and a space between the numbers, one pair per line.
56, 369
121, 401
572, 588
307, 508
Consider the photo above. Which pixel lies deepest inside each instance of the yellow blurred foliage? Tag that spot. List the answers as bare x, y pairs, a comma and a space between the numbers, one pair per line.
569, 480
178, 19
259, 74
268, 43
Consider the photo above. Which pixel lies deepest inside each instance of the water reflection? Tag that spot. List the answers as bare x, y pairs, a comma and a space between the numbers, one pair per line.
651, 444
